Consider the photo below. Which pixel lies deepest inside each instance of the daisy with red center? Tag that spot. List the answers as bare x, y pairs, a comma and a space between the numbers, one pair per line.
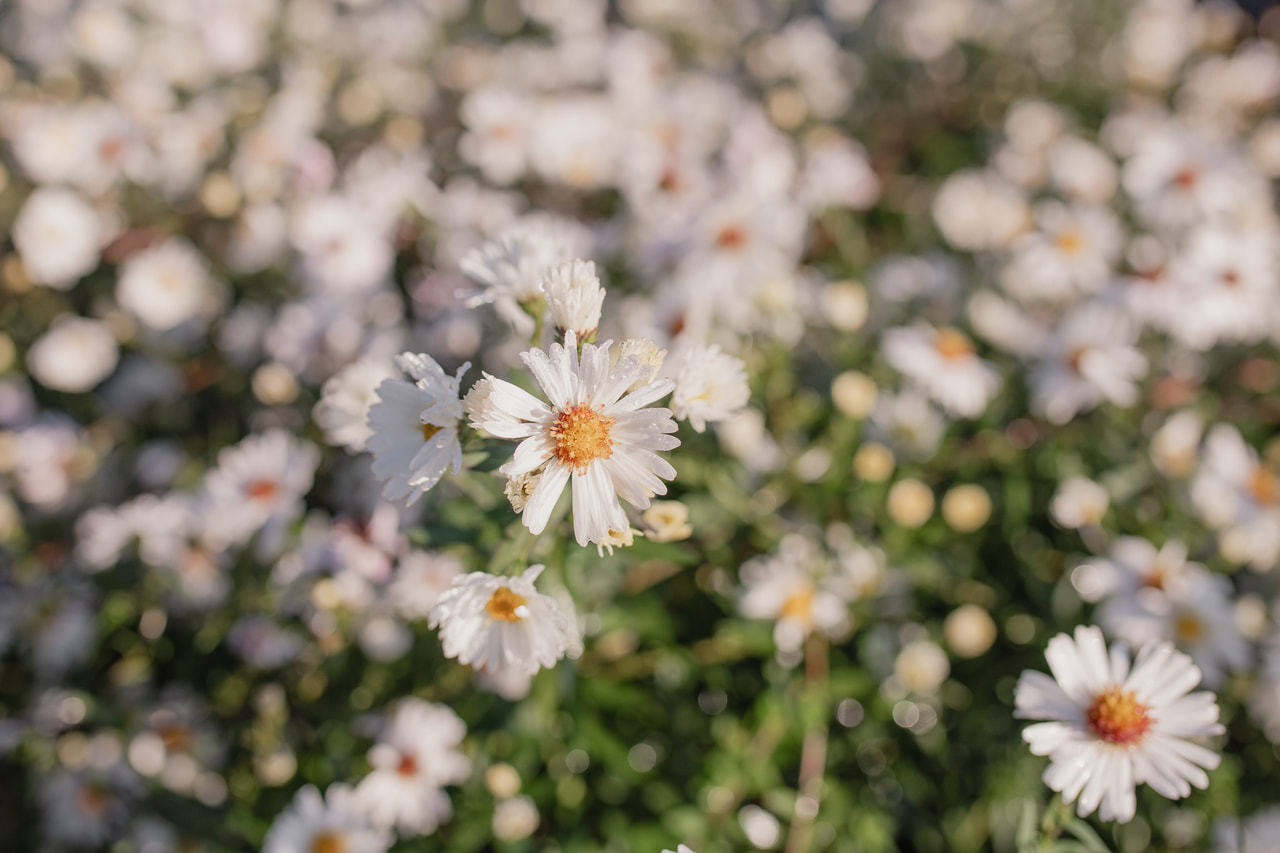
594, 429
1111, 726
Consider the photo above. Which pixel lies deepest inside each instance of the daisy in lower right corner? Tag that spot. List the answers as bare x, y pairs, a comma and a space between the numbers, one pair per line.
1111, 726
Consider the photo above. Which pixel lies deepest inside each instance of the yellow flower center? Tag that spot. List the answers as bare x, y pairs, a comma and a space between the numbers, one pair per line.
429, 430
952, 344
177, 738
1116, 716
504, 603
328, 842
1264, 486
581, 436
1069, 241
798, 606
1189, 628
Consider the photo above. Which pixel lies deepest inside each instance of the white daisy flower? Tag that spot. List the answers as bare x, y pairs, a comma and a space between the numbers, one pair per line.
946, 365
343, 409
710, 386
416, 756
593, 431
1151, 596
496, 624
329, 824
1111, 726
259, 483
165, 285
415, 428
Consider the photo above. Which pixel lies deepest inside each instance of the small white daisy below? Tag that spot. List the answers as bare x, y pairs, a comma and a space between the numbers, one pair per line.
1110, 727
496, 624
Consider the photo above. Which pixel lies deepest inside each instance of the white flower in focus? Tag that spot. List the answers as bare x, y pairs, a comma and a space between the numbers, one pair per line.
343, 409
57, 234
330, 824
946, 364
415, 428
1079, 502
414, 759
496, 624
711, 386
74, 355
574, 297
164, 285
593, 431
1111, 726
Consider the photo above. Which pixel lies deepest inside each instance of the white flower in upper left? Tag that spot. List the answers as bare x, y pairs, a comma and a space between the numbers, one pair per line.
415, 428
497, 624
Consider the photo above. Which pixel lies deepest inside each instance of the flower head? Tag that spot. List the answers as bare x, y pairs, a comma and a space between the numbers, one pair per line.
591, 430
415, 428
1111, 726
574, 297
496, 623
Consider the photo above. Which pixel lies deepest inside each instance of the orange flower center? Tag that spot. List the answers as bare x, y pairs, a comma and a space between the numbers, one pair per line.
731, 237
176, 738
1116, 716
504, 603
581, 436
408, 765
1189, 628
1264, 486
262, 490
328, 842
429, 430
798, 606
1069, 241
93, 801
952, 344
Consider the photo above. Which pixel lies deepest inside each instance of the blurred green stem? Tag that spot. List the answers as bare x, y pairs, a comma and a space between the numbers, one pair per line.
813, 755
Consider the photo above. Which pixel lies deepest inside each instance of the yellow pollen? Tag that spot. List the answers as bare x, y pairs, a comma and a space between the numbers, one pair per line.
798, 606
1069, 241
328, 842
581, 436
1189, 628
1116, 716
429, 430
953, 344
504, 603
1264, 486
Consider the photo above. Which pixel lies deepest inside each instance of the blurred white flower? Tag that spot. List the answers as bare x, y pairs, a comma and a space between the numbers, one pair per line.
1239, 496
944, 362
343, 409
1079, 502
1255, 834
1150, 596
58, 236
711, 385
1092, 357
165, 285
1112, 726
502, 623
415, 757
74, 355
333, 823
257, 485
798, 589
414, 428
